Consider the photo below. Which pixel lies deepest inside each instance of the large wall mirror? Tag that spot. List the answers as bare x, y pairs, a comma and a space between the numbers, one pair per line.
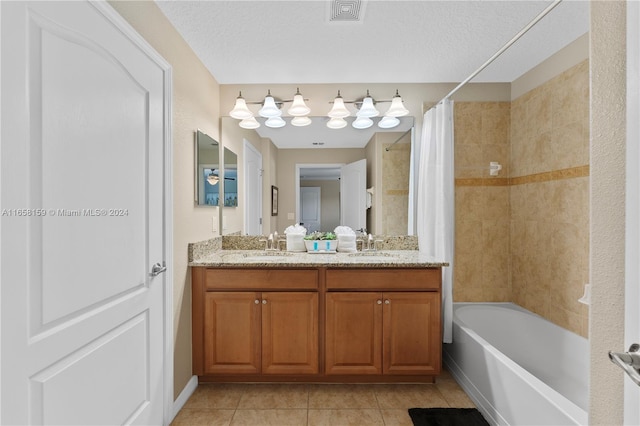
207, 170
315, 145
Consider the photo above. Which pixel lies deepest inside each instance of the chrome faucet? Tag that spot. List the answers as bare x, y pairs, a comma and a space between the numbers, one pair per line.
272, 243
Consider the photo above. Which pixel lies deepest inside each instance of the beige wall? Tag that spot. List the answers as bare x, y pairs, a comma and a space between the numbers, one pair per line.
608, 135
287, 160
195, 95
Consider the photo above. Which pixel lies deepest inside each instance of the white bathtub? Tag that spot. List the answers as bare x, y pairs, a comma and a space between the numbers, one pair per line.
519, 368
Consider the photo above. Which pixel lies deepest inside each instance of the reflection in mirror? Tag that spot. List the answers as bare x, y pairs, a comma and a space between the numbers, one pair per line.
329, 146
207, 170
230, 184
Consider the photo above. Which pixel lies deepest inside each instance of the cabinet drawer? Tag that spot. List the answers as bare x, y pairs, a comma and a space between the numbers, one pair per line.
384, 279
261, 279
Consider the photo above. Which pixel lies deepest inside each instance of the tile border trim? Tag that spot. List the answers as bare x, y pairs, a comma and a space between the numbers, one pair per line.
570, 173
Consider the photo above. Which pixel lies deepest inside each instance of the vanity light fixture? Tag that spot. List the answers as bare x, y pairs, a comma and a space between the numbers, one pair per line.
240, 110
275, 122
367, 108
298, 107
249, 123
336, 123
338, 110
362, 123
300, 121
388, 122
397, 108
271, 110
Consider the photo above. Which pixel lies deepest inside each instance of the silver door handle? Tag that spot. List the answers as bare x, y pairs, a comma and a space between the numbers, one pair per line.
629, 362
157, 269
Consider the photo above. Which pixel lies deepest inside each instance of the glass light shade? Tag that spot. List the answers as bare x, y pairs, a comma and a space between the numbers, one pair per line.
387, 122
339, 110
336, 123
362, 123
213, 179
269, 108
300, 121
275, 122
298, 107
249, 123
240, 110
367, 109
397, 109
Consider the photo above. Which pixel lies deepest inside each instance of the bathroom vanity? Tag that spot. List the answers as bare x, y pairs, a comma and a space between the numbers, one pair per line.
279, 316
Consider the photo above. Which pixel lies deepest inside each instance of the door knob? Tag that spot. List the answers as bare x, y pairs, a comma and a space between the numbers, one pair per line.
628, 361
157, 269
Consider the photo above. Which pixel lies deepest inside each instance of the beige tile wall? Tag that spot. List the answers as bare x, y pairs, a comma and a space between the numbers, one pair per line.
395, 188
550, 198
482, 202
524, 236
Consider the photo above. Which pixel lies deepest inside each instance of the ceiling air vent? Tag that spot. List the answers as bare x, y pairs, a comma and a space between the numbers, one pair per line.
346, 10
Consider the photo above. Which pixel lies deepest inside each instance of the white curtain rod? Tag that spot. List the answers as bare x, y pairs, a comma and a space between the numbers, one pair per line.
499, 52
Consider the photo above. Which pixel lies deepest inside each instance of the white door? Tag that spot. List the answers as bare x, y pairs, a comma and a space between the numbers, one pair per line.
253, 185
84, 118
632, 261
310, 208
353, 195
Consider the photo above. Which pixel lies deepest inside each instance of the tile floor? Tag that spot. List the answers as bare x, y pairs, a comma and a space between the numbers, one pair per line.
316, 404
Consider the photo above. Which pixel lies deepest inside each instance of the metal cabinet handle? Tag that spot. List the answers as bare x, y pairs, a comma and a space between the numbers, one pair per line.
157, 269
257, 302
379, 302
629, 362
387, 302
264, 301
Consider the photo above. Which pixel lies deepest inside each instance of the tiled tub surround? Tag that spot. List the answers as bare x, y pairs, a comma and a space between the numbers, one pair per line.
523, 236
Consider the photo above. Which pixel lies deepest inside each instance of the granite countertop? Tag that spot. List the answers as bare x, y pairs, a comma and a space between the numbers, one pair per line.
262, 258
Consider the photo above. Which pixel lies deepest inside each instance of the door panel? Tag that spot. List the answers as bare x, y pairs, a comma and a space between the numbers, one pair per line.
253, 201
290, 333
83, 146
232, 333
310, 207
353, 333
353, 195
412, 333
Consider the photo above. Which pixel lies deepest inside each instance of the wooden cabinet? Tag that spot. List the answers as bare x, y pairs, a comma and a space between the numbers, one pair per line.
383, 321
255, 321
268, 333
316, 324
383, 333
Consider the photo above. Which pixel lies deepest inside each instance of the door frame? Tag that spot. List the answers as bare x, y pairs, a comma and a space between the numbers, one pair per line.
248, 146
632, 228
118, 21
300, 166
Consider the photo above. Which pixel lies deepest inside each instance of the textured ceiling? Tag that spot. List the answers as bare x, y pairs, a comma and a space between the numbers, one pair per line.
271, 42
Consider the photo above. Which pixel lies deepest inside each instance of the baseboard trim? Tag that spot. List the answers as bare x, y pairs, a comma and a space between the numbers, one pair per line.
188, 390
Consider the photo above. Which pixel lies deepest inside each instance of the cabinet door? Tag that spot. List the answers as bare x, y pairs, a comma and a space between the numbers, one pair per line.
232, 333
412, 336
290, 333
353, 333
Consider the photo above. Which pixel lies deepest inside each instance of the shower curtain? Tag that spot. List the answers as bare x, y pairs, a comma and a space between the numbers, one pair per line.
435, 200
